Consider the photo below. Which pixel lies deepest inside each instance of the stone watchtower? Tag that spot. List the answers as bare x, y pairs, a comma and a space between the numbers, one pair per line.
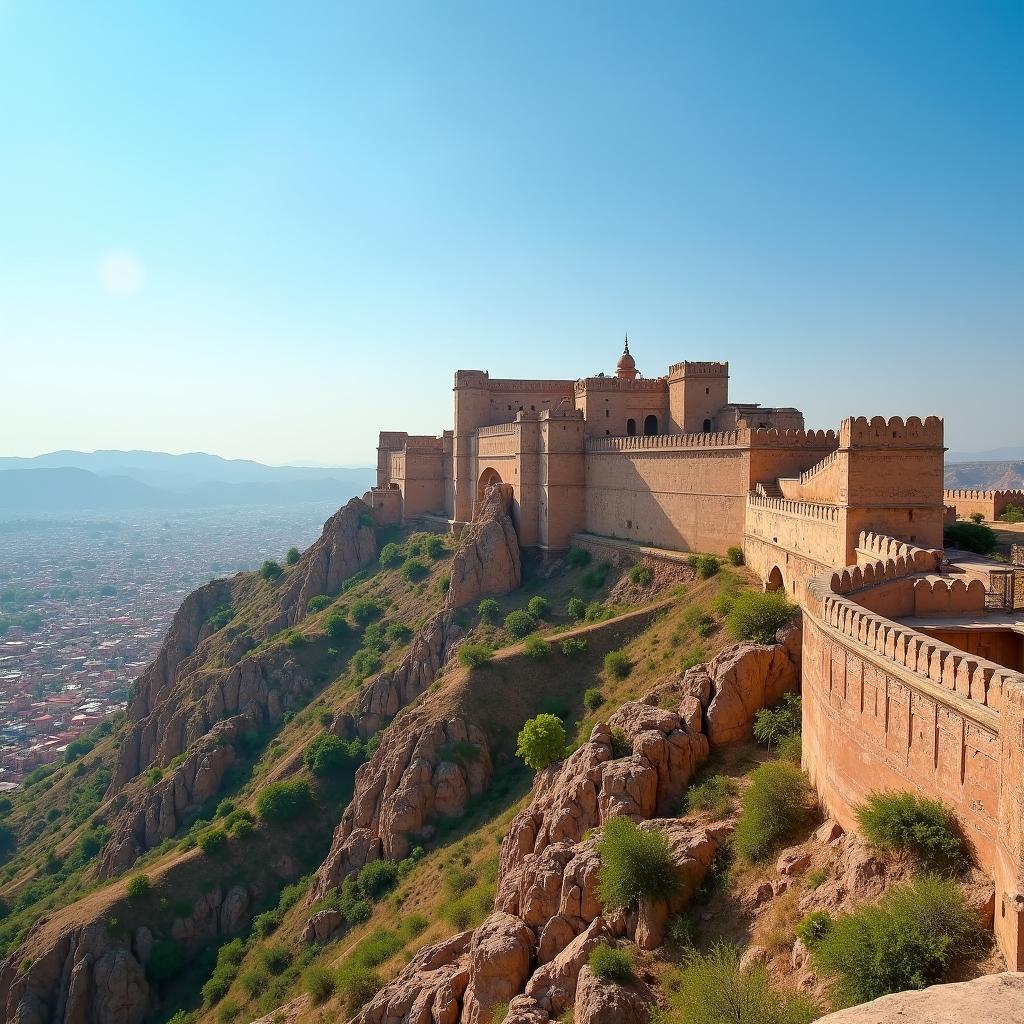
696, 394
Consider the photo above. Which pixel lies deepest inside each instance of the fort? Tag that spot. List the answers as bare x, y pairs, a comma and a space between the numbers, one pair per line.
912, 656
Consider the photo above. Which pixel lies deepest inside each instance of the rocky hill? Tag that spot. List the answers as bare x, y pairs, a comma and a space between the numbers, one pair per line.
316, 809
985, 476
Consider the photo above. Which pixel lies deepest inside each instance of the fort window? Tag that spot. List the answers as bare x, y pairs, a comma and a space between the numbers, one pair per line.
707, 426
631, 427
650, 426
707, 391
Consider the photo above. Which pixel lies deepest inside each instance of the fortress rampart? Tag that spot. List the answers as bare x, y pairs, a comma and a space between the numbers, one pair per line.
887, 707
989, 504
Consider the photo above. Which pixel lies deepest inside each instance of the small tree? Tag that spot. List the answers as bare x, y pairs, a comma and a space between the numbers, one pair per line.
391, 555
487, 610
1012, 514
636, 864
976, 517
539, 607
317, 603
271, 571
573, 646
414, 569
593, 698
773, 725
974, 537
434, 546
641, 574
541, 741
292, 556
281, 801
576, 608
474, 655
519, 624
335, 624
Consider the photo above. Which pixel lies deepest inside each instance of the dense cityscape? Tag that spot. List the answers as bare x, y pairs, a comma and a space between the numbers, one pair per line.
85, 602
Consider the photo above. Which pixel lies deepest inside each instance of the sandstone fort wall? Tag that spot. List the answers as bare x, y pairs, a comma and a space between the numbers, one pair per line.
990, 504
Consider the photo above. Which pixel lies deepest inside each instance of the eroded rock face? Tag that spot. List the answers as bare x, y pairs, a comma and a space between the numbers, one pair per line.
603, 1002
487, 558
743, 679
994, 999
87, 977
420, 770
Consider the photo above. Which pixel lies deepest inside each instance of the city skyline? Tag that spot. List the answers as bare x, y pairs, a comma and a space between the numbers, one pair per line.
259, 235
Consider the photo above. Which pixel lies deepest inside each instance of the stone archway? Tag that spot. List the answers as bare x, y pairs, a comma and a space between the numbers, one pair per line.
487, 477
650, 425
775, 580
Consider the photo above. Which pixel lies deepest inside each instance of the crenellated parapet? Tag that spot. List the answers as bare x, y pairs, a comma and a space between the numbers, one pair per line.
669, 442
620, 384
966, 494
884, 548
698, 369
859, 431
820, 511
763, 437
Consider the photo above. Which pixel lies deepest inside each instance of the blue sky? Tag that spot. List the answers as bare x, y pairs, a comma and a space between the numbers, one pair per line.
268, 230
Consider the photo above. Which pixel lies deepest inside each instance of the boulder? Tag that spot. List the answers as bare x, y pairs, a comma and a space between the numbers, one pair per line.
486, 560
792, 861
321, 926
603, 1002
499, 963
994, 999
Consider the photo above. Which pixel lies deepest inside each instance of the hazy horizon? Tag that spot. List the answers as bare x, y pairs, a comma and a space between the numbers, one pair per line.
269, 232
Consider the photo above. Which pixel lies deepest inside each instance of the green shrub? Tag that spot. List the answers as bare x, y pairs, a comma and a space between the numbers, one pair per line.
291, 556
974, 537
519, 624
228, 1012
487, 610
271, 571
593, 698
641, 574
499, 1013
537, 647
282, 801
474, 655
976, 517
1012, 514
712, 989
573, 646
293, 639
778, 723
137, 887
460, 752
908, 940
576, 608
327, 754
577, 558
596, 612
905, 823
254, 981
713, 796
377, 878
318, 983
391, 555
705, 566
336, 625
212, 841
357, 986
444, 584
317, 603
594, 579
398, 633
792, 749
365, 610
414, 569
635, 865
814, 927
166, 959
541, 741
773, 807
218, 618
434, 546
539, 607
735, 555
612, 964
622, 746
756, 617
617, 664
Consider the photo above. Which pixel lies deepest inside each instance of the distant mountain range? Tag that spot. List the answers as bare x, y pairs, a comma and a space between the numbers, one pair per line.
1011, 454
986, 476
72, 481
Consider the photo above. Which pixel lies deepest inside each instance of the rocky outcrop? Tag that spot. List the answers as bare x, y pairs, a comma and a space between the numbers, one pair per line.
994, 999
548, 917
487, 558
423, 769
347, 544
605, 1002
743, 679
168, 711
87, 976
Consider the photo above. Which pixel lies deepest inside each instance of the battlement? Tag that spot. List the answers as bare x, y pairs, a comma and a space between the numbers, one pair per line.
884, 548
669, 442
763, 437
791, 507
424, 441
640, 384
858, 431
808, 474
677, 371
962, 494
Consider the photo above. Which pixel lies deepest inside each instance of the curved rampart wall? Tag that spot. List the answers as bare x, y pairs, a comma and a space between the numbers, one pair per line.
888, 708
